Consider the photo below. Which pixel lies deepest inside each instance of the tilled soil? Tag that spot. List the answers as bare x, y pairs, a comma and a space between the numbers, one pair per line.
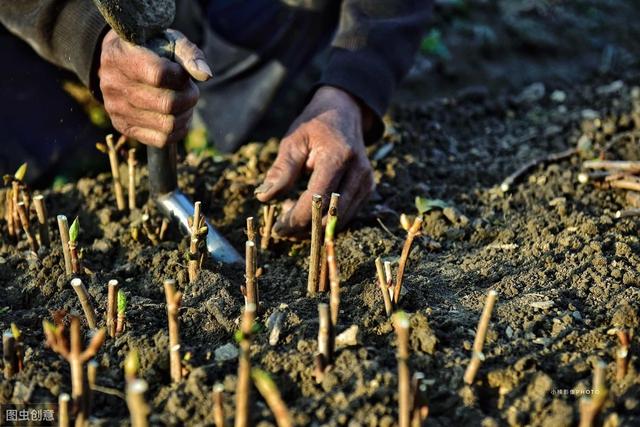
565, 270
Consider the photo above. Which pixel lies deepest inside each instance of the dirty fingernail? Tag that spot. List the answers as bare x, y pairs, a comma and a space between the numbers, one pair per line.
266, 186
204, 67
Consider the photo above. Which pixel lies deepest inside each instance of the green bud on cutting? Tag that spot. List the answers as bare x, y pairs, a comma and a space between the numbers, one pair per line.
122, 301
21, 172
331, 228
74, 230
15, 331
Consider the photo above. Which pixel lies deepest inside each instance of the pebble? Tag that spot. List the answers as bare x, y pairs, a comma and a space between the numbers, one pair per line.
558, 96
576, 315
532, 93
348, 337
610, 88
509, 332
542, 305
274, 324
225, 353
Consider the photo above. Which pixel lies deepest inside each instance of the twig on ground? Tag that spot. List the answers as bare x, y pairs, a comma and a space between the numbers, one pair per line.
625, 184
414, 231
316, 244
83, 296
271, 395
174, 300
626, 213
613, 165
507, 184
481, 333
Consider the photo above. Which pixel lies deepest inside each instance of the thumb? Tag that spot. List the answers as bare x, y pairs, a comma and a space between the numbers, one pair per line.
190, 57
291, 158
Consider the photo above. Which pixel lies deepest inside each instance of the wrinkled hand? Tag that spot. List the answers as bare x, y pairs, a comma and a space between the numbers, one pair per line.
326, 139
148, 97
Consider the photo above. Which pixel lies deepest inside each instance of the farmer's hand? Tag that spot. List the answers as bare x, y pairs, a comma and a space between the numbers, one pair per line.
326, 139
148, 97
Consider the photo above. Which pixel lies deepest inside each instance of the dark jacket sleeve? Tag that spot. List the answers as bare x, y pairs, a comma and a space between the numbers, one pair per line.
65, 32
374, 48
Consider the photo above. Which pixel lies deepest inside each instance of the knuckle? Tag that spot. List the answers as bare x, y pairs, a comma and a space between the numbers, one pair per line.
155, 73
167, 123
167, 103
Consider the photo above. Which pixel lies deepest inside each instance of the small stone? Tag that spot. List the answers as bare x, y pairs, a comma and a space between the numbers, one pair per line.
101, 246
588, 114
348, 337
274, 325
576, 315
630, 403
610, 88
542, 305
509, 332
532, 93
558, 96
225, 353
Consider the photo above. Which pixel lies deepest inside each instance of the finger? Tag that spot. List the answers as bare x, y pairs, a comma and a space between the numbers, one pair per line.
163, 101
190, 57
355, 191
327, 173
163, 123
153, 137
144, 66
288, 165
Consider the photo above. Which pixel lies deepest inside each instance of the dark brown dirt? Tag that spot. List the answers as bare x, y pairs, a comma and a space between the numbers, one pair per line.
565, 269
550, 239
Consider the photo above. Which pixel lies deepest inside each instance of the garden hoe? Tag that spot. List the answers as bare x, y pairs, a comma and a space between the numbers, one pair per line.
143, 22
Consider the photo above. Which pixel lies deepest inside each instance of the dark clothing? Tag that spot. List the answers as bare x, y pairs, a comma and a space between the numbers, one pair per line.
254, 46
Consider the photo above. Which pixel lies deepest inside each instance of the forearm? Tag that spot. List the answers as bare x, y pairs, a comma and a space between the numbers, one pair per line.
64, 32
374, 48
